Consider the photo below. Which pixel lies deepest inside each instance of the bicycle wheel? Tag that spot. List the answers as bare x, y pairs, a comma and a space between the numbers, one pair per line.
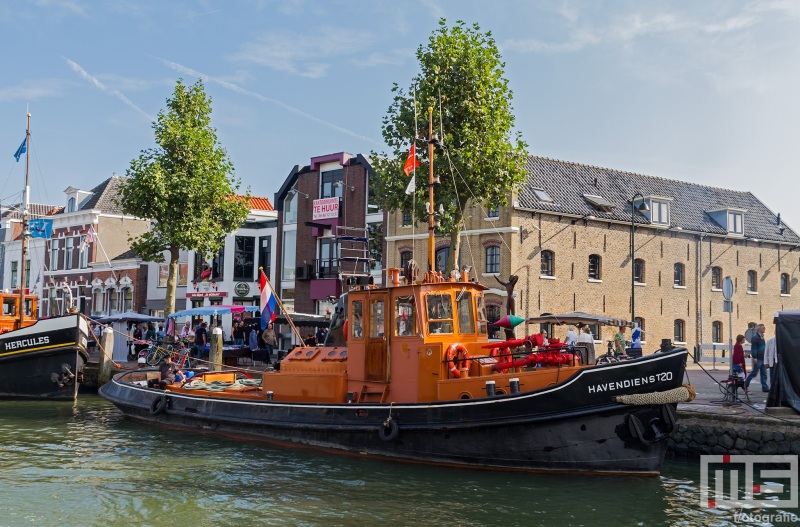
154, 356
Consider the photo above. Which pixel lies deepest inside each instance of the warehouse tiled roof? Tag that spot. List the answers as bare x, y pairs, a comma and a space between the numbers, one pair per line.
574, 189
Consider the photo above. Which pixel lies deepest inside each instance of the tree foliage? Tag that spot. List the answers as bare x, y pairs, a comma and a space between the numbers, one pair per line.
461, 78
185, 185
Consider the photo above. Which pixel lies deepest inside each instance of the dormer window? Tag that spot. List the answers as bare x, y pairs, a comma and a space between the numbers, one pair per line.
659, 211
71, 205
734, 222
730, 219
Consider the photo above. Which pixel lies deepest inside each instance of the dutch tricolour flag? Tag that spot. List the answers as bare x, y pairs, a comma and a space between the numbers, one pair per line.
268, 303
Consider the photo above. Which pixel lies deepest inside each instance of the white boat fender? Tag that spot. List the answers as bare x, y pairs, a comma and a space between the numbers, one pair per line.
389, 431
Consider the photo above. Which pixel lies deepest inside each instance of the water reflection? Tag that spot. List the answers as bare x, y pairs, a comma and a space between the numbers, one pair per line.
83, 464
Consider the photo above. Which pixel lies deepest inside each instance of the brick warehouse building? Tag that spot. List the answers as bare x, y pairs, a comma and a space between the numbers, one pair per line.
330, 227
567, 236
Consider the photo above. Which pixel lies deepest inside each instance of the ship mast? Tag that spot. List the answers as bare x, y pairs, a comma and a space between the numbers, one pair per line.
432, 141
25, 232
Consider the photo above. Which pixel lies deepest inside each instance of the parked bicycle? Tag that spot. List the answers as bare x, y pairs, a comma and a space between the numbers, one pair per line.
156, 354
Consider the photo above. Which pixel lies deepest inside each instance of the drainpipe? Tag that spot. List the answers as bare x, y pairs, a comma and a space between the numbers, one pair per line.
699, 317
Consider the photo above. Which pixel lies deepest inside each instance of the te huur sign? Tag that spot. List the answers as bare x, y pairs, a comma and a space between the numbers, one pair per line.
325, 209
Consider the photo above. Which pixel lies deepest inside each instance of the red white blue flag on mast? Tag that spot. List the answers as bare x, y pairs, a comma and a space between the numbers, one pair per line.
268, 302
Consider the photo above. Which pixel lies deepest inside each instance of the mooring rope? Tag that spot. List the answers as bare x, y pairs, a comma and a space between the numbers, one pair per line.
218, 386
682, 394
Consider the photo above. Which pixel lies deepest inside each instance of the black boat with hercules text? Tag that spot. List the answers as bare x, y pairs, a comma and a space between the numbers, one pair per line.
39, 359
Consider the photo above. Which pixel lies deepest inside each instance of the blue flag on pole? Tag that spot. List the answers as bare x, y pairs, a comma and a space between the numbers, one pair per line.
41, 228
22, 149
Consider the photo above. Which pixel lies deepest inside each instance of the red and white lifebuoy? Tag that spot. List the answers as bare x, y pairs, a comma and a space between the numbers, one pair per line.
457, 356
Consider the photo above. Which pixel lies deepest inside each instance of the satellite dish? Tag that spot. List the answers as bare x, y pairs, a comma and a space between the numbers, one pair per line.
727, 288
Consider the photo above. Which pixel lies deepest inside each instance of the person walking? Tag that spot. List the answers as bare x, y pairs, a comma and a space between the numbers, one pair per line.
757, 348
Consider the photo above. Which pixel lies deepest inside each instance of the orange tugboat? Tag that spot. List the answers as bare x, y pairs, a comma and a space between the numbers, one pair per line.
408, 373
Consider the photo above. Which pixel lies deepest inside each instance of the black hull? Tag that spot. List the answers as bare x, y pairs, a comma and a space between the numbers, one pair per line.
570, 427
45, 360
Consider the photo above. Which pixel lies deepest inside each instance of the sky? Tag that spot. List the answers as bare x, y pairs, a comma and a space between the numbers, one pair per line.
701, 91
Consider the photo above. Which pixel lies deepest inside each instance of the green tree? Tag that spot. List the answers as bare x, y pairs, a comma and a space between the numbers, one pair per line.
185, 186
461, 78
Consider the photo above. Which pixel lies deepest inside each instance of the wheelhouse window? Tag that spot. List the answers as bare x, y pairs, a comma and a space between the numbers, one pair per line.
679, 278
716, 278
440, 313
357, 319
716, 332
244, 258
678, 334
638, 271
785, 287
752, 282
376, 319
595, 269
548, 263
493, 259
466, 317
481, 314
405, 316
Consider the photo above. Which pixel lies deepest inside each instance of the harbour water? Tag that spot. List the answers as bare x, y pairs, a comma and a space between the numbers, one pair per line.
83, 464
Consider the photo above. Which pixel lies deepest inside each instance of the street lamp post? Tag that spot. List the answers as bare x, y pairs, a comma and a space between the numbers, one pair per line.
641, 208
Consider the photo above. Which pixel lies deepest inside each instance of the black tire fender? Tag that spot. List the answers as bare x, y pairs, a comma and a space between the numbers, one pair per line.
389, 431
159, 405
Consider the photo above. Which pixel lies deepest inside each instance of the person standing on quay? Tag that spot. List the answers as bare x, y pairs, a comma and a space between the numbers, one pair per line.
757, 348
771, 358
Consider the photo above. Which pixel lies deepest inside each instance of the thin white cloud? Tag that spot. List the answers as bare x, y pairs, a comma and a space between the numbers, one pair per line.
111, 91
32, 90
243, 91
65, 5
305, 57
394, 57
